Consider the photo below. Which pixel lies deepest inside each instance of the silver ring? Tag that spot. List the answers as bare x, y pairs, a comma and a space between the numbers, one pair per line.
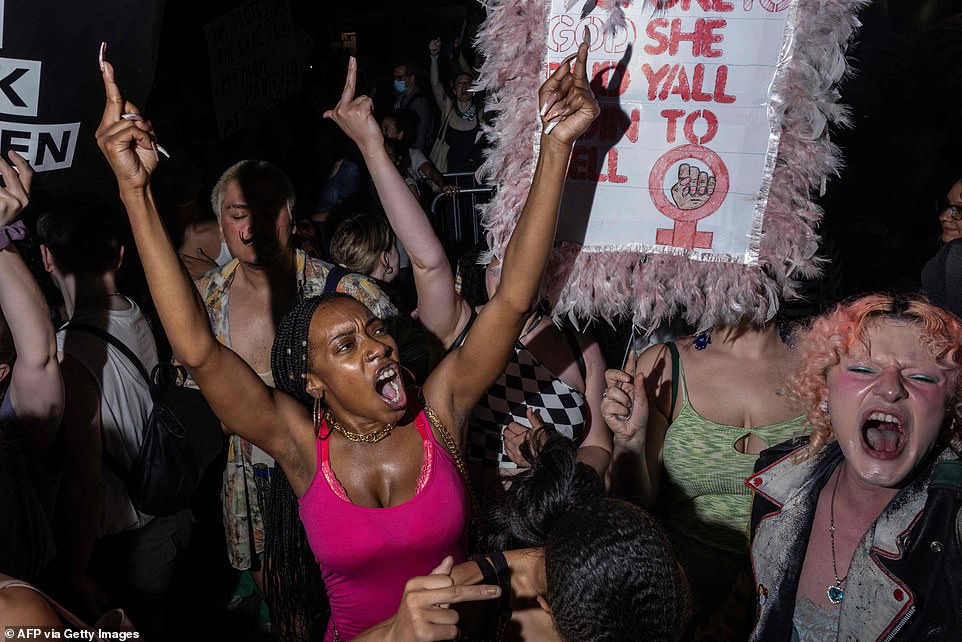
604, 394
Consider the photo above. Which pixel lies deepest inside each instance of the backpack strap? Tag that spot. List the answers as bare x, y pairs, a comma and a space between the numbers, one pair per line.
575, 350
334, 276
115, 342
675, 361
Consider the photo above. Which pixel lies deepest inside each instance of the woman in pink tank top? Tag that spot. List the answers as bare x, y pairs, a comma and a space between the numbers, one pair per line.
379, 498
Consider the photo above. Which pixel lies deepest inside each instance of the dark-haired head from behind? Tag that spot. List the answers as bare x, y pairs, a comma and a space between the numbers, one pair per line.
83, 233
611, 574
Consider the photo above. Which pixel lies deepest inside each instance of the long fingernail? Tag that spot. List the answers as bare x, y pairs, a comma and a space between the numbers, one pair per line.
133, 117
153, 146
551, 125
100, 56
587, 35
161, 150
549, 101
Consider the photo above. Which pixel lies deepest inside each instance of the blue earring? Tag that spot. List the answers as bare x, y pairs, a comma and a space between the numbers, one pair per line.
785, 335
702, 339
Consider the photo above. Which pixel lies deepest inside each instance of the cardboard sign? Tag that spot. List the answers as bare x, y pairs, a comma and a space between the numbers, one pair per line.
681, 157
253, 61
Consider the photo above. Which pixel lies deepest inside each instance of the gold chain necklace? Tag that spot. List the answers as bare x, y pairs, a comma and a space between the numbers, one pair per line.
357, 437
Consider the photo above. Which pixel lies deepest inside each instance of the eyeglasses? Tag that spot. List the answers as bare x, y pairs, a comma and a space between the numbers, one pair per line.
954, 209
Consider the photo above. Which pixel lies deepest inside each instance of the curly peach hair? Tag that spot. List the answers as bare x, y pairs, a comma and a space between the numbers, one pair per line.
843, 331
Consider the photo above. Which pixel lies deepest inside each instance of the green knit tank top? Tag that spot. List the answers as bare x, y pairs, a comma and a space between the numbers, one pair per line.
706, 498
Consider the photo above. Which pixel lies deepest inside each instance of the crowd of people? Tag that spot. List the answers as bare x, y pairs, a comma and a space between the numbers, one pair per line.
403, 463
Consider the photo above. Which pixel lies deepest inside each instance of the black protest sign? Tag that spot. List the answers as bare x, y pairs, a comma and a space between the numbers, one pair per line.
253, 61
51, 92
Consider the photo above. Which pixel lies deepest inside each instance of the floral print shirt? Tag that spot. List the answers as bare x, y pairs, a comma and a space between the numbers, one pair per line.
243, 514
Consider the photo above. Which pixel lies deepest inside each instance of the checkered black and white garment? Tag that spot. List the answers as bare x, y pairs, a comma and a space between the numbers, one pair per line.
524, 384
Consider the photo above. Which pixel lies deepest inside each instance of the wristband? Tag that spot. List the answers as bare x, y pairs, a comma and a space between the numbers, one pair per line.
13, 232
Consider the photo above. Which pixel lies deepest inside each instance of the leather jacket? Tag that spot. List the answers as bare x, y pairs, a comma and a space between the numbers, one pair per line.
905, 579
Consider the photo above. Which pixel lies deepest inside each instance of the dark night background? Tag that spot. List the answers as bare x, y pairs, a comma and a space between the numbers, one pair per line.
901, 154
880, 222
880, 226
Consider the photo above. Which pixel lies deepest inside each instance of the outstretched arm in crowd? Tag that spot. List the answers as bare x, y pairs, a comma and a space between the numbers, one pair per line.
441, 309
469, 370
444, 103
265, 417
35, 390
463, 376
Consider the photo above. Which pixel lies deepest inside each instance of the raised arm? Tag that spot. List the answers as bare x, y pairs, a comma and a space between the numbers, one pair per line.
265, 417
568, 107
36, 391
441, 310
434, 48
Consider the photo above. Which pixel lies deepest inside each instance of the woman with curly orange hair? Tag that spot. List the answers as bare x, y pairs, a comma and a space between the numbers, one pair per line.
856, 533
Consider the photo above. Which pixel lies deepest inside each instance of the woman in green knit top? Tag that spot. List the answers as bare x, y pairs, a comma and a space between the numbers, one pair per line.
689, 420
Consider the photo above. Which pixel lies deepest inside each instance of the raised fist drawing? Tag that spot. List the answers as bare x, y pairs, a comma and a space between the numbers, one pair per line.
693, 189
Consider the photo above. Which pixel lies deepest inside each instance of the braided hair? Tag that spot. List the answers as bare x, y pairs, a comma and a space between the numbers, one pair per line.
293, 584
611, 575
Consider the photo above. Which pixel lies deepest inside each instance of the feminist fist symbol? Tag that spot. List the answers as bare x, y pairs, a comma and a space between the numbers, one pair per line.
693, 189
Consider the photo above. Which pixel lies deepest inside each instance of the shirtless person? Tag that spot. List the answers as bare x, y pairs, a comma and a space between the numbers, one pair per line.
246, 299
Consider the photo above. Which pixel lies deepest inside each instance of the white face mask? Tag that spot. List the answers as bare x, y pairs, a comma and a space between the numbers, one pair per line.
225, 256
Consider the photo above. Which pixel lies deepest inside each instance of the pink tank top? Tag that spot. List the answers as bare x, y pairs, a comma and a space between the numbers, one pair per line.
367, 555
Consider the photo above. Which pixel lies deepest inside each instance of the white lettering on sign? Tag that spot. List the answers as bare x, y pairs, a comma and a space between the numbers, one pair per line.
45, 147
19, 86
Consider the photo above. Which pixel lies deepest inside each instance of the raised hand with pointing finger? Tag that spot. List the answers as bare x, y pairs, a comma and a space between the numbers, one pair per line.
355, 115
126, 139
567, 103
423, 615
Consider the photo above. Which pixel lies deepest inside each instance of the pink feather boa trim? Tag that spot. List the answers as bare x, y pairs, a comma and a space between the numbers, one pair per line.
652, 288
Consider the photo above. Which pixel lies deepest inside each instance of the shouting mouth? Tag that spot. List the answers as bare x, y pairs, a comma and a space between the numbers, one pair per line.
882, 435
390, 387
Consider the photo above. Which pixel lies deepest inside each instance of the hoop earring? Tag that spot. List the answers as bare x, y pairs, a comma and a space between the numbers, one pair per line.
409, 373
388, 269
317, 416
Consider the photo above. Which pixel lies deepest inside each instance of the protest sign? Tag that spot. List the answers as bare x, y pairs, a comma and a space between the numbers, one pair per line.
253, 61
691, 192
51, 94
682, 154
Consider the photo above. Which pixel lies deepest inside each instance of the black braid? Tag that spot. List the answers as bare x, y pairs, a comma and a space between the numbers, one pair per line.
293, 584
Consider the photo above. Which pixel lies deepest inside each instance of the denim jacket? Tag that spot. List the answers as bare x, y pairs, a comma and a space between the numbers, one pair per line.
905, 579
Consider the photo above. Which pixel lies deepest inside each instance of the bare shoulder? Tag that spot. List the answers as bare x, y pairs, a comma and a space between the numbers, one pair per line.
655, 360
21, 606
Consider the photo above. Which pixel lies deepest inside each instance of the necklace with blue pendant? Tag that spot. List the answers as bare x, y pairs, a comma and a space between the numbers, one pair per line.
834, 591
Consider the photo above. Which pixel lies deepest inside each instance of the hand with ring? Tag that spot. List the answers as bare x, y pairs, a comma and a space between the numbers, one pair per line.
624, 405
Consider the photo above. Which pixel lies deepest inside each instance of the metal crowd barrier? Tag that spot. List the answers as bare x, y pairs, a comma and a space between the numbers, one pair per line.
455, 206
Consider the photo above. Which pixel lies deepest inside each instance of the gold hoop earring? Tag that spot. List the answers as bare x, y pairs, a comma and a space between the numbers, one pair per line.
404, 368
